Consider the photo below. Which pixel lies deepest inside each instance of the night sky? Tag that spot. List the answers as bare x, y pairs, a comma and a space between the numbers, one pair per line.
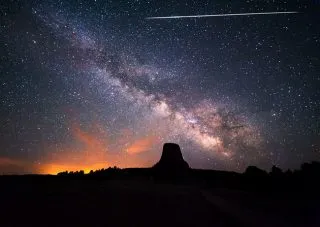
92, 84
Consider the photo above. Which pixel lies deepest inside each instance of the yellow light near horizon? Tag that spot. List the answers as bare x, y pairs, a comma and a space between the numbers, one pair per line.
57, 168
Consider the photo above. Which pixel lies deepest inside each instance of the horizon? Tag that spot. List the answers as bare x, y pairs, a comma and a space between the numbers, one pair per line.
55, 169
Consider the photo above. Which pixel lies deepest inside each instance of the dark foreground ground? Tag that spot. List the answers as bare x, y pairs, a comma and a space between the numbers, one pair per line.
54, 201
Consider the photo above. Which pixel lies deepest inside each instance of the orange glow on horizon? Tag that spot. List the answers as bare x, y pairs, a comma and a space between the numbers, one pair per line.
95, 152
142, 145
92, 156
57, 168
92, 151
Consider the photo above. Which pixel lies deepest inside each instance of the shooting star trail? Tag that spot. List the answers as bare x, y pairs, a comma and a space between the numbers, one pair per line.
220, 15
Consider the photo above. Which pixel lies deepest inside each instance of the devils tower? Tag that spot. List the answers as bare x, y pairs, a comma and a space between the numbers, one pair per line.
171, 164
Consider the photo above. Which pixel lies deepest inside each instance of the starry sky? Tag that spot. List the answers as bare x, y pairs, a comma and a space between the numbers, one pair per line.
92, 84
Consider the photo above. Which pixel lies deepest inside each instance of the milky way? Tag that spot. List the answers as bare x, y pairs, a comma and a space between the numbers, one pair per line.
112, 97
216, 130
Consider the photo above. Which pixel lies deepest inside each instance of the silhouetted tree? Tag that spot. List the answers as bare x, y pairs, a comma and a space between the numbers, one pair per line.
288, 172
65, 173
276, 171
310, 167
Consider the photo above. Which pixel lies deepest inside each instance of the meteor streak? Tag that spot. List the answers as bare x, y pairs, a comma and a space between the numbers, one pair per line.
220, 15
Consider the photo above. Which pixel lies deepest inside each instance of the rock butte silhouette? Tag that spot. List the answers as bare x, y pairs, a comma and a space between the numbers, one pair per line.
171, 162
